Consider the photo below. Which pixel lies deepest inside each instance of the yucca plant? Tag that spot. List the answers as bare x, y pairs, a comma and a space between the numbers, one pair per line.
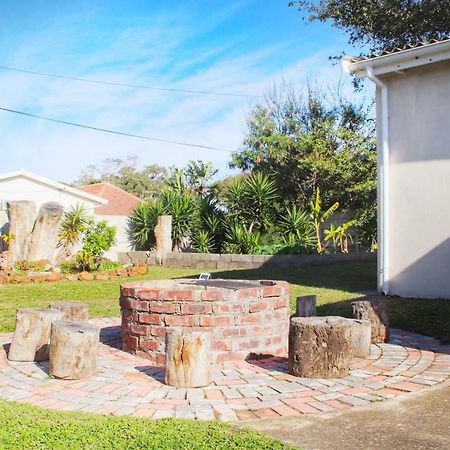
239, 239
296, 227
203, 242
72, 226
142, 222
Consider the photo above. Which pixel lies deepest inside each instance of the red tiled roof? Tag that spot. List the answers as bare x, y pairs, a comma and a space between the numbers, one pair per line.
120, 202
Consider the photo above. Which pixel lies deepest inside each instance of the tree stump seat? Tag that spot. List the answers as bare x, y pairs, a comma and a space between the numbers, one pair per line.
376, 311
306, 306
31, 337
320, 347
188, 358
73, 349
74, 311
360, 337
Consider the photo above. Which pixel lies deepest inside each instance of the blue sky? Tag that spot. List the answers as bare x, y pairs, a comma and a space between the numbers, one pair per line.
242, 46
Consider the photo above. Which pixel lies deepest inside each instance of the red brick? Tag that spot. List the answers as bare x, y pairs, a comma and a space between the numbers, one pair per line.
149, 345
159, 331
180, 295
129, 315
150, 294
186, 321
153, 319
230, 332
133, 304
251, 318
130, 342
231, 356
220, 345
258, 306
160, 359
213, 394
259, 330
266, 413
234, 308
249, 293
212, 321
141, 330
214, 295
196, 308
163, 307
128, 292
281, 303
271, 291
249, 344
406, 386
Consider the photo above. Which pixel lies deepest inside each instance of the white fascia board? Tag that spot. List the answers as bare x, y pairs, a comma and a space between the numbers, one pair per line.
402, 60
55, 185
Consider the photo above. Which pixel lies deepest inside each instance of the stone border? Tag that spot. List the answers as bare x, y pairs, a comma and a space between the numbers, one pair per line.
126, 384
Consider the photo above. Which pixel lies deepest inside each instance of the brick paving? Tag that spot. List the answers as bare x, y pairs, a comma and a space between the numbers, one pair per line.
127, 385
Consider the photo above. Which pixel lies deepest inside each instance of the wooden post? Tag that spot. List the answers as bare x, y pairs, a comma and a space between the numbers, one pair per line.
21, 217
319, 347
361, 337
163, 235
32, 334
377, 312
44, 237
73, 350
75, 311
188, 358
306, 306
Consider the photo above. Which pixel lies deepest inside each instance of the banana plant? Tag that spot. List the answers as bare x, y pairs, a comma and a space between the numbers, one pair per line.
318, 216
339, 235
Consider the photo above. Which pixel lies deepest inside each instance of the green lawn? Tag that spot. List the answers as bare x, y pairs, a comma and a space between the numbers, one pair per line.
26, 427
335, 286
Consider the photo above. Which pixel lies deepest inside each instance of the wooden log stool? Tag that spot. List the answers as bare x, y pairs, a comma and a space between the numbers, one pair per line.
377, 312
32, 334
319, 347
74, 311
188, 358
73, 349
306, 306
361, 331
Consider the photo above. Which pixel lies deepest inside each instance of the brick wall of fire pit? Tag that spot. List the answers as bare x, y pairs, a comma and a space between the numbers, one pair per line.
244, 317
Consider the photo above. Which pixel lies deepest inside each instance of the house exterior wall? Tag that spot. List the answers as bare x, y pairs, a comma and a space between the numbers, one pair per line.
419, 164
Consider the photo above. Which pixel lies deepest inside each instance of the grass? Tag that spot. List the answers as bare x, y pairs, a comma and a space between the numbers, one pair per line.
335, 285
27, 427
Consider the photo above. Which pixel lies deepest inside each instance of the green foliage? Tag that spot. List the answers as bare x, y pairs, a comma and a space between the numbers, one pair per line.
25, 427
240, 240
339, 235
382, 24
199, 175
296, 228
184, 209
7, 238
203, 242
142, 222
318, 216
312, 141
252, 201
98, 237
144, 182
73, 224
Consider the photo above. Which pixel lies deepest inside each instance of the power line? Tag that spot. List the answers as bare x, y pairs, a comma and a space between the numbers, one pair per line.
137, 86
121, 133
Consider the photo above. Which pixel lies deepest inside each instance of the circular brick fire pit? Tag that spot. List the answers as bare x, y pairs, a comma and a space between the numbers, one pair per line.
246, 318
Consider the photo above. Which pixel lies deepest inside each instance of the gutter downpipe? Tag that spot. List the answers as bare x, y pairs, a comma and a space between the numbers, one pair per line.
384, 182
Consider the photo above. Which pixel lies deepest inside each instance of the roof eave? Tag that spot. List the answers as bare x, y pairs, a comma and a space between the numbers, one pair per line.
395, 62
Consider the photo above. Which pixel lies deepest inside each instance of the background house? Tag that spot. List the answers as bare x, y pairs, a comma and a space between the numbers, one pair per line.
119, 206
413, 135
23, 185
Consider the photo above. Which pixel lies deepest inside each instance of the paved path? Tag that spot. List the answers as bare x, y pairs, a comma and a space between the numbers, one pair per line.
126, 384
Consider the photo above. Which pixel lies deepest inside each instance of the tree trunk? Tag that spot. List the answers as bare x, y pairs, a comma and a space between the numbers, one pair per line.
377, 312
44, 237
21, 217
319, 347
188, 358
32, 334
163, 235
75, 311
361, 337
306, 306
73, 350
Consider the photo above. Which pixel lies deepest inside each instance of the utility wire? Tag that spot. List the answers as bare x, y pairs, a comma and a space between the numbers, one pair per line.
137, 86
121, 133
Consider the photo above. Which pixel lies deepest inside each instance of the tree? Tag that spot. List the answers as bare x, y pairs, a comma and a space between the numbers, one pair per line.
199, 175
382, 24
309, 142
145, 182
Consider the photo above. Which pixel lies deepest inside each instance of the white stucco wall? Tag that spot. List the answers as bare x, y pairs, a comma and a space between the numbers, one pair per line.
122, 243
419, 127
